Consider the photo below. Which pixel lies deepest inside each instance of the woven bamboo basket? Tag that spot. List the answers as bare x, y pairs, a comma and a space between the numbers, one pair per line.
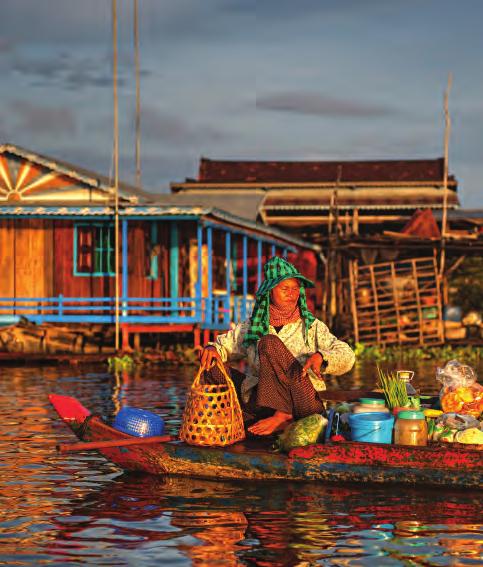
212, 415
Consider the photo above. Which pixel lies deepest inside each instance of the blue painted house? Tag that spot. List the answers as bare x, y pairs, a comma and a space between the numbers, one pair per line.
182, 267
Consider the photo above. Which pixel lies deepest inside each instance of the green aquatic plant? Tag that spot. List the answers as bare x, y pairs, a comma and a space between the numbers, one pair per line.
468, 354
119, 363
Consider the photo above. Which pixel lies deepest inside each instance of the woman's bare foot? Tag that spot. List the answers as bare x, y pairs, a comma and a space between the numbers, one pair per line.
270, 424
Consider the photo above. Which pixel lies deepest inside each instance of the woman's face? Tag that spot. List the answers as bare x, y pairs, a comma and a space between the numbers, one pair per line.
286, 293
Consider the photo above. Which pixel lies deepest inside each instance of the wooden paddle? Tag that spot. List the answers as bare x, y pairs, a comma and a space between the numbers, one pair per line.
93, 445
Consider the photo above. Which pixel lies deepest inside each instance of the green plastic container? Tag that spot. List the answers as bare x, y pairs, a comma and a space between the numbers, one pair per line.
372, 401
410, 414
411, 428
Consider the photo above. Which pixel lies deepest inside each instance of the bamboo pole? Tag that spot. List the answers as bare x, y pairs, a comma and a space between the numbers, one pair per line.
396, 303
332, 255
328, 263
447, 129
353, 301
138, 96
355, 222
418, 302
439, 305
376, 303
116, 170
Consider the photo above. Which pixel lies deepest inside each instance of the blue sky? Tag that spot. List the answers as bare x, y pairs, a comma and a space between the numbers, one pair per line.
246, 79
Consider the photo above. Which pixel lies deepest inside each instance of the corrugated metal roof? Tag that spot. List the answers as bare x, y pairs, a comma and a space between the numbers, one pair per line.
387, 198
240, 204
206, 213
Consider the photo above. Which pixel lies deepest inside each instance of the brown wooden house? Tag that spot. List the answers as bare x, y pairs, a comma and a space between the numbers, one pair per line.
182, 267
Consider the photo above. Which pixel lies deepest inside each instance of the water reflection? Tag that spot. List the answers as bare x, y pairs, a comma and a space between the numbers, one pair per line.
78, 508
213, 523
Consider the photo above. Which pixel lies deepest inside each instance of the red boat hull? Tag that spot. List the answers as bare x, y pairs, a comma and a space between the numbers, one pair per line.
447, 465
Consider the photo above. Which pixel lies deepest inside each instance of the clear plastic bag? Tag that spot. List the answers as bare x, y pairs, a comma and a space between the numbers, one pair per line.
461, 393
447, 426
457, 421
456, 375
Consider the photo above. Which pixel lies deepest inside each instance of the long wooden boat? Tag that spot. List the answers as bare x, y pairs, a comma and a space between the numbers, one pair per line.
447, 465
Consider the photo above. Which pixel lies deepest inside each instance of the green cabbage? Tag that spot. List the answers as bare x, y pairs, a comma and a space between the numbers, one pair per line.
305, 431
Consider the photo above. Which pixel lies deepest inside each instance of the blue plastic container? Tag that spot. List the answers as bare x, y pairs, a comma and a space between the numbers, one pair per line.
453, 313
137, 422
371, 427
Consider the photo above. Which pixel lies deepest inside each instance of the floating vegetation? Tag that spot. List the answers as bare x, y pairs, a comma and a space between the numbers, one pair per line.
169, 354
119, 363
468, 354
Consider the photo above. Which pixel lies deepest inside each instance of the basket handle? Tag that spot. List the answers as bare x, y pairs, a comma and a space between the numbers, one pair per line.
229, 382
231, 387
196, 381
222, 369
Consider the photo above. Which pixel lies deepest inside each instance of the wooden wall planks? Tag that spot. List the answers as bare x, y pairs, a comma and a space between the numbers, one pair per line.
33, 258
7, 258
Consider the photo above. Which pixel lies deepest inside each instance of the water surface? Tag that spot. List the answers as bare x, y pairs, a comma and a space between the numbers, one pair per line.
80, 509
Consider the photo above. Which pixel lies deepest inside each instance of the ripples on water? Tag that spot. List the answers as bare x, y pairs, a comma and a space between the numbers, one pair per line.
59, 509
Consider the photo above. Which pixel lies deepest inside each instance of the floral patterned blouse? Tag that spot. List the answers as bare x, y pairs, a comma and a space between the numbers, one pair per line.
337, 354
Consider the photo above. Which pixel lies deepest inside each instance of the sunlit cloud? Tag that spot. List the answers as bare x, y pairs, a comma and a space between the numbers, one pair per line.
244, 79
321, 105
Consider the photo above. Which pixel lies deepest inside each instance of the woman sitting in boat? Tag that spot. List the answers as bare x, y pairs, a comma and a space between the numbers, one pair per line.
286, 349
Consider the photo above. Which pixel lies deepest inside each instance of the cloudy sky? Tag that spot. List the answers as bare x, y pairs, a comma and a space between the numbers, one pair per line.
246, 79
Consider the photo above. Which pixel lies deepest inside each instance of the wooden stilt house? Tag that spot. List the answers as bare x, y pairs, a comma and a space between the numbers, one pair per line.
182, 269
382, 280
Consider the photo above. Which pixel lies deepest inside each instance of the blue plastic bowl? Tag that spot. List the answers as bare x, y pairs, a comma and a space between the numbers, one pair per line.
137, 422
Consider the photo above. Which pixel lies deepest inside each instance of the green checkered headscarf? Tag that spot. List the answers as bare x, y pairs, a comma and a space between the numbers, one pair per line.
276, 270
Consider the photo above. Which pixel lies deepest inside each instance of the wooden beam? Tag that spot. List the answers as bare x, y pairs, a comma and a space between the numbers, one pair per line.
325, 219
176, 187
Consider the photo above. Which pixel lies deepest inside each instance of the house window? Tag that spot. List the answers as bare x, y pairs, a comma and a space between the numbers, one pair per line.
94, 250
153, 252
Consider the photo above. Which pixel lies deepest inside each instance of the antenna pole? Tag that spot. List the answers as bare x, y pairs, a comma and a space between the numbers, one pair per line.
447, 130
116, 170
138, 96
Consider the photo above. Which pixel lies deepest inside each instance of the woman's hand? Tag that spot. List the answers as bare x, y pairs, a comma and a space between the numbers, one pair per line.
209, 356
314, 362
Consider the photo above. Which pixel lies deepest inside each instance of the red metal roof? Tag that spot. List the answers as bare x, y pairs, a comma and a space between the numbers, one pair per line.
397, 171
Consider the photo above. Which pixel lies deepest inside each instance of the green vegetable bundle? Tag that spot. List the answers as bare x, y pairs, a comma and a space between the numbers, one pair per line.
302, 432
394, 389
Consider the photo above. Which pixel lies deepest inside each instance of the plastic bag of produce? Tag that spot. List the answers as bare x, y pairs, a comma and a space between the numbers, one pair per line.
461, 393
302, 432
458, 421
448, 425
456, 375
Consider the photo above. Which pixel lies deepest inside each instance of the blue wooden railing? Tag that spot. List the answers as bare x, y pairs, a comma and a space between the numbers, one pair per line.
216, 312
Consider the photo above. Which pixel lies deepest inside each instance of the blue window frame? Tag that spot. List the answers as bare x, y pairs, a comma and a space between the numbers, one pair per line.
154, 248
94, 249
